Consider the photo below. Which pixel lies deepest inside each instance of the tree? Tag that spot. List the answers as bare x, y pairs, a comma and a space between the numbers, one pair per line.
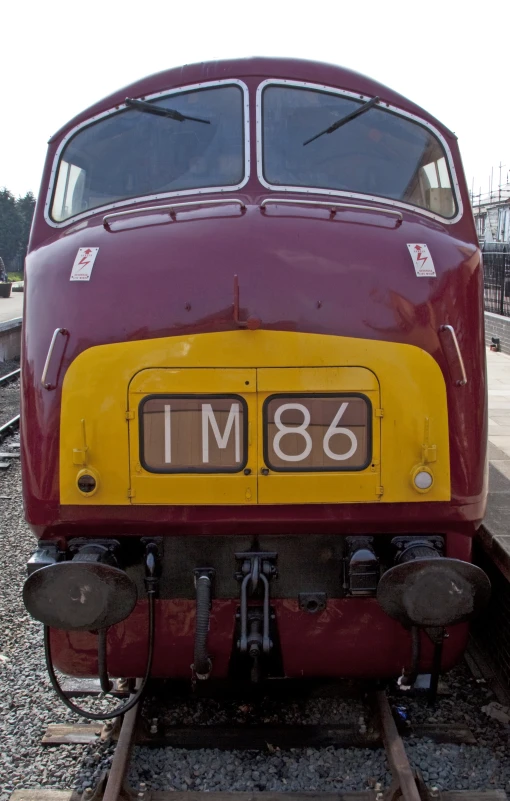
25, 207
15, 221
10, 227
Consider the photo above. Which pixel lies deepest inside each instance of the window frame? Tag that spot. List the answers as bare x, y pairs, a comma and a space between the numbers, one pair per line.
52, 184
381, 199
196, 469
327, 468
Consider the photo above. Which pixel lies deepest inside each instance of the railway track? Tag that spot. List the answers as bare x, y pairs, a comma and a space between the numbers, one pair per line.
12, 376
12, 425
407, 784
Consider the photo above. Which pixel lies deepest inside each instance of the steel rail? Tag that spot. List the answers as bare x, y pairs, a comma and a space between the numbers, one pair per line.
5, 379
13, 424
400, 767
404, 785
120, 762
9, 427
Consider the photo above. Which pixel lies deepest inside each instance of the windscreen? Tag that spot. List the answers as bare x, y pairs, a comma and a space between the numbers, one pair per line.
377, 153
136, 153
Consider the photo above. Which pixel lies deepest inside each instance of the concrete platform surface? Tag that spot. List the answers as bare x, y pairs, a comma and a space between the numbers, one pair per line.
11, 307
495, 533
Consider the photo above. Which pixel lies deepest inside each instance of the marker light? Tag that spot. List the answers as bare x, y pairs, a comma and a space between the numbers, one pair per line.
423, 480
86, 481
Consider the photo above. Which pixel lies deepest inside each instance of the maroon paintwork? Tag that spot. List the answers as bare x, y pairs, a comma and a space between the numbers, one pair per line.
351, 638
352, 265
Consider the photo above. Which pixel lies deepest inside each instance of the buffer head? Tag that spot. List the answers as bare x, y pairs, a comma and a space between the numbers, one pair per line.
433, 592
78, 596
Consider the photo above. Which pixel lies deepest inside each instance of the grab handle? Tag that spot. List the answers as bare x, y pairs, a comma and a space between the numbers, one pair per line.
171, 208
332, 206
451, 350
44, 378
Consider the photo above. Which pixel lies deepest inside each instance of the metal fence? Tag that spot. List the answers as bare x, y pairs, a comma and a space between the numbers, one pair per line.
496, 282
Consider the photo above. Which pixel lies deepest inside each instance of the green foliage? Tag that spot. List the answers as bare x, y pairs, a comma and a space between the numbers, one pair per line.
15, 221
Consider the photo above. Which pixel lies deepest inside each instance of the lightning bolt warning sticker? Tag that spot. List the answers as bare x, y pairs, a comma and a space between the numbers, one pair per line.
83, 264
422, 260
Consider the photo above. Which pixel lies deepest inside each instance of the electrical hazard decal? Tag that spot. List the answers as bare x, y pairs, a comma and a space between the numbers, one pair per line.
83, 264
422, 260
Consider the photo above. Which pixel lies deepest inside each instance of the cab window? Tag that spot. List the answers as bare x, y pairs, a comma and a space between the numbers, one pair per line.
377, 153
138, 153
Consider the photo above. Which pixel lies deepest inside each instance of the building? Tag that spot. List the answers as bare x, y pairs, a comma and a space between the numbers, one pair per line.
492, 215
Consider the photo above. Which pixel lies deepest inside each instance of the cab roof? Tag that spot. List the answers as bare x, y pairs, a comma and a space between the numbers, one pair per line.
258, 68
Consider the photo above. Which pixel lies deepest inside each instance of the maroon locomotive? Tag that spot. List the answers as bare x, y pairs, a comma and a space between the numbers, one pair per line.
254, 403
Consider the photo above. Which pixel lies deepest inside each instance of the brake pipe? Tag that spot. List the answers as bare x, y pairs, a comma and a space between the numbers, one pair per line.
202, 664
151, 583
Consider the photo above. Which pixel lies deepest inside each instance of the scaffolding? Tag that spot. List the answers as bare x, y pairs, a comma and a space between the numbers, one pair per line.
491, 211
494, 196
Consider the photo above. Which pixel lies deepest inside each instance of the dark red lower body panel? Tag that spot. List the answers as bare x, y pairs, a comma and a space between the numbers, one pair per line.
463, 517
351, 638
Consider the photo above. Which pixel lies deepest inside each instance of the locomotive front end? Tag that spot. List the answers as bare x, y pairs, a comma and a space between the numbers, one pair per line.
258, 447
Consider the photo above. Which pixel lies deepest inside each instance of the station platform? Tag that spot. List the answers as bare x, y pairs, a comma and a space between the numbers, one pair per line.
490, 631
495, 533
11, 308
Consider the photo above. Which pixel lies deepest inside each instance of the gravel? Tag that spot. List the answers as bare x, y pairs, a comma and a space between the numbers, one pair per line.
28, 705
461, 767
294, 770
27, 702
448, 767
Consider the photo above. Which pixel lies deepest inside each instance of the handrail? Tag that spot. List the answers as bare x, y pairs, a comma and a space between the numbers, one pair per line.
171, 207
459, 375
44, 376
333, 207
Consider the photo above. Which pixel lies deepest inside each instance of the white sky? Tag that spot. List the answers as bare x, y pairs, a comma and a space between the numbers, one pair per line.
60, 56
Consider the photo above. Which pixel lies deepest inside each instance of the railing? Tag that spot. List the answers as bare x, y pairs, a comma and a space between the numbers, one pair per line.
496, 282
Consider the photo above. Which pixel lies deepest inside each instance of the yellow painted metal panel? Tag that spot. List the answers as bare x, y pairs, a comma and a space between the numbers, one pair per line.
191, 380
95, 390
320, 487
316, 379
280, 488
193, 488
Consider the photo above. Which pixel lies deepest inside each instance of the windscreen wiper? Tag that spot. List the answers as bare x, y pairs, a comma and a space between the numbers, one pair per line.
159, 111
343, 120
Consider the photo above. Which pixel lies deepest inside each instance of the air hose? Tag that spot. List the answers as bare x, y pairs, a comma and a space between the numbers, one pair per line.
202, 664
408, 678
151, 584
104, 679
124, 707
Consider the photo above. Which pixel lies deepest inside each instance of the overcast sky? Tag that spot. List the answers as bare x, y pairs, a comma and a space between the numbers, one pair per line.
58, 57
